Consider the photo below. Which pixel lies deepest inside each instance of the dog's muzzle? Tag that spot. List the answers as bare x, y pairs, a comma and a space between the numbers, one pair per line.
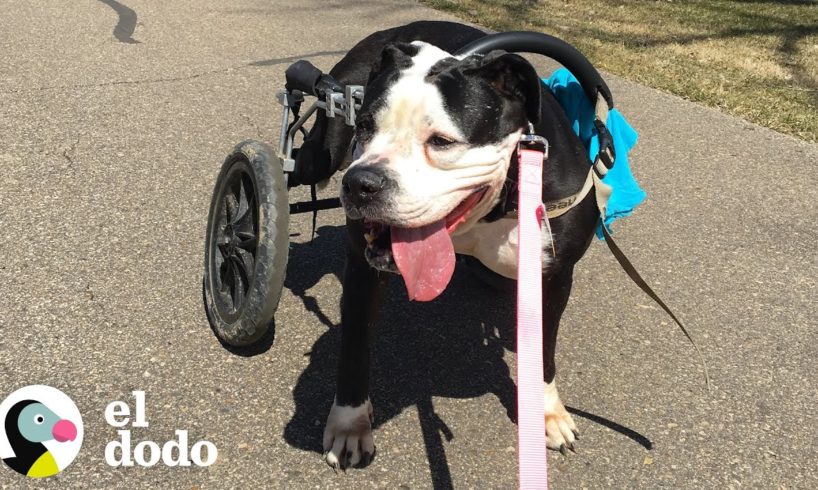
365, 188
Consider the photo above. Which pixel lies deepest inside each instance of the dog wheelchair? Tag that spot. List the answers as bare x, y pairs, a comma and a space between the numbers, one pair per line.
247, 238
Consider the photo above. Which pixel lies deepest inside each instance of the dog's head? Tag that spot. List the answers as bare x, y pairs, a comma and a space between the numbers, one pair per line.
435, 129
435, 135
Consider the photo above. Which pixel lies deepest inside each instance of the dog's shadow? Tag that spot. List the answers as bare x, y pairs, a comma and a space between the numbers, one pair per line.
451, 347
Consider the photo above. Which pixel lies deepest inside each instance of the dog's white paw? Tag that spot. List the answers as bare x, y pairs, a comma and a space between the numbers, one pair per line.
560, 430
348, 436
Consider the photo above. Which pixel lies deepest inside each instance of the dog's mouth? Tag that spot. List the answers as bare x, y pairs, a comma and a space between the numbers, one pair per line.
424, 255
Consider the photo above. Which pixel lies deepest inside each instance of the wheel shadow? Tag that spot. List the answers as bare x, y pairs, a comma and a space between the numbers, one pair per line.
452, 347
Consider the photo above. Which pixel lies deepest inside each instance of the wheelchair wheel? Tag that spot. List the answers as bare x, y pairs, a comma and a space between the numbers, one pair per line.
246, 245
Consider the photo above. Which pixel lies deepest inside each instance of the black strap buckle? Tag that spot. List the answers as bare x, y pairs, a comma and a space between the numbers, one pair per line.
607, 154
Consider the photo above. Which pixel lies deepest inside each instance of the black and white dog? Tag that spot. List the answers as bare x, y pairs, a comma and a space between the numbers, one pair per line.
435, 154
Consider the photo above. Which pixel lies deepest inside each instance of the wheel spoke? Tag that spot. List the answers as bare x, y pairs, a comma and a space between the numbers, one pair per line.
246, 262
243, 263
231, 208
241, 201
246, 203
247, 241
232, 199
240, 282
244, 221
223, 249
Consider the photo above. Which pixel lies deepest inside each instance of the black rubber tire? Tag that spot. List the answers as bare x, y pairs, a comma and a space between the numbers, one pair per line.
246, 245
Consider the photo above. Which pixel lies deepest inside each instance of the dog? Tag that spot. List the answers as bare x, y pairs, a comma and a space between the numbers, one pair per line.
433, 163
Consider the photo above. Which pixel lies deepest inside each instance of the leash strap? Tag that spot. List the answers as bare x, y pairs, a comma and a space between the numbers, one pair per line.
530, 384
531, 213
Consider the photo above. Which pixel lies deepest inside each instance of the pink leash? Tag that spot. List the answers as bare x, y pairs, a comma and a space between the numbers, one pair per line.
530, 383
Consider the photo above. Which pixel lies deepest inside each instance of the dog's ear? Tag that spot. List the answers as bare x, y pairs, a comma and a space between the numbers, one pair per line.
512, 76
395, 56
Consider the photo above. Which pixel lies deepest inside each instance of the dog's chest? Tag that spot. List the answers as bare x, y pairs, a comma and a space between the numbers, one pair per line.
495, 245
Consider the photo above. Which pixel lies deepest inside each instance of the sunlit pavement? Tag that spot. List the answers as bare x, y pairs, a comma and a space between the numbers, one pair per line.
113, 123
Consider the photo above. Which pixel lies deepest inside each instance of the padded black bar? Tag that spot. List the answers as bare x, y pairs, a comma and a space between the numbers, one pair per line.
303, 76
555, 48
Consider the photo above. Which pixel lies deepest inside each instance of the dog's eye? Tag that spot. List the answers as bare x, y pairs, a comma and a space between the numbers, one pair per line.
440, 142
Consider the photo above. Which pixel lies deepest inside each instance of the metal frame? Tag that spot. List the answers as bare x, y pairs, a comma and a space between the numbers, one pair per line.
334, 104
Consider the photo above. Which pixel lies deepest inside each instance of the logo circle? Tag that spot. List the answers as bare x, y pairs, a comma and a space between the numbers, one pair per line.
41, 431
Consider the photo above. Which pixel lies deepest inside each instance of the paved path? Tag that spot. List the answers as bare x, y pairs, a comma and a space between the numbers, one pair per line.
113, 123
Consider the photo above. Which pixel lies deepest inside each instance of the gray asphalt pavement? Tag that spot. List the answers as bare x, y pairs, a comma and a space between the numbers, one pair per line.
113, 124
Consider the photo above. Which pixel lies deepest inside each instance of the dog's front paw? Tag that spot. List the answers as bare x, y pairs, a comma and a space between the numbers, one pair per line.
348, 436
560, 430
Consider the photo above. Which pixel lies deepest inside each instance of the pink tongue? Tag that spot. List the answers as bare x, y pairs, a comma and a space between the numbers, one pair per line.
425, 259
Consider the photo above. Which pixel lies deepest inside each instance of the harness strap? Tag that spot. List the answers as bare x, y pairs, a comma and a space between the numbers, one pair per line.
554, 209
603, 192
636, 278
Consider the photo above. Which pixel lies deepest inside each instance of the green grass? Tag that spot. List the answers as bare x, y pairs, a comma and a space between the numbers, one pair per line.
757, 59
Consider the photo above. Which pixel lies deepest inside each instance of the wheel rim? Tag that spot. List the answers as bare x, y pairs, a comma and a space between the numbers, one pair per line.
233, 258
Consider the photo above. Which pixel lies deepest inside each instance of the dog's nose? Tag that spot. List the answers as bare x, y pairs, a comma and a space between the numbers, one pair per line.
361, 185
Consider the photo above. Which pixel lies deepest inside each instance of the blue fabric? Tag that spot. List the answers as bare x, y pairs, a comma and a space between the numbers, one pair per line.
626, 193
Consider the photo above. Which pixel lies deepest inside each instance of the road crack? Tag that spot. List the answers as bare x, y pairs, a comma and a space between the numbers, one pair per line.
68, 153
